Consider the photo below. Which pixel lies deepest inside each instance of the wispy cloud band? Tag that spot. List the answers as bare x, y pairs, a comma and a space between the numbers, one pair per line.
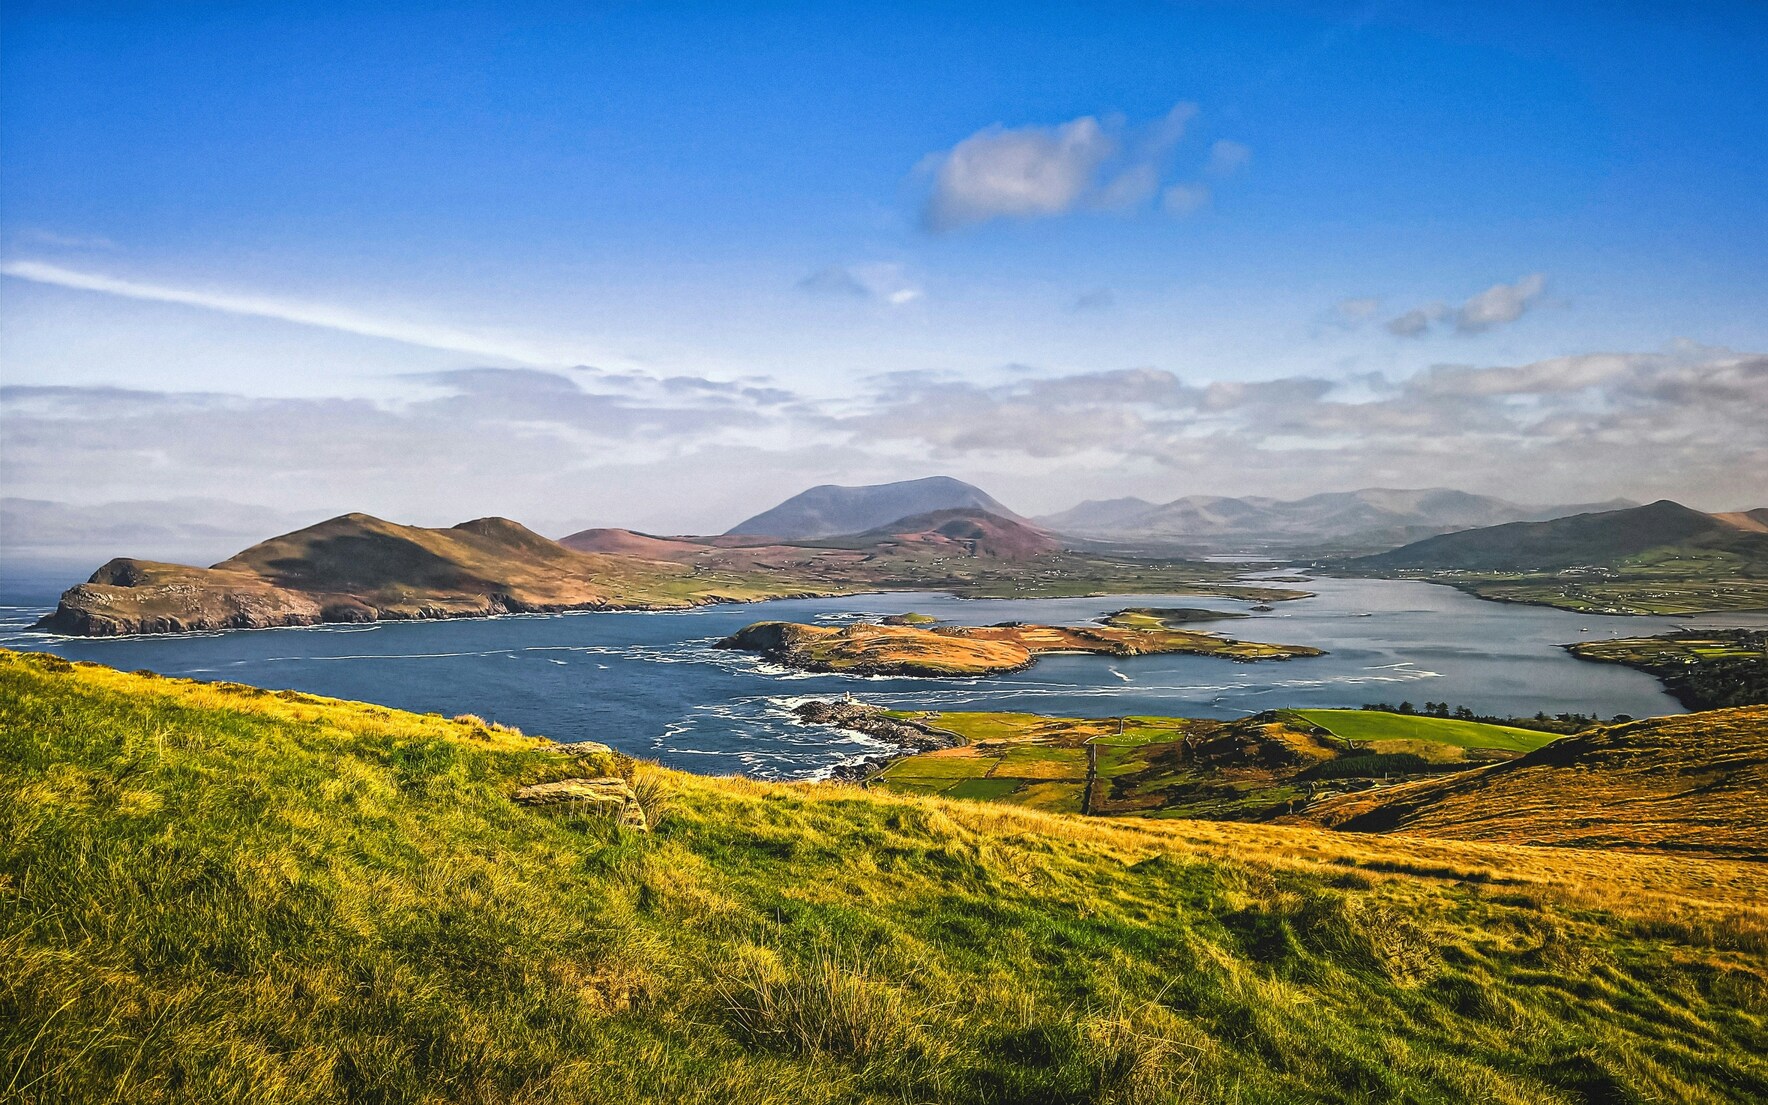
323, 316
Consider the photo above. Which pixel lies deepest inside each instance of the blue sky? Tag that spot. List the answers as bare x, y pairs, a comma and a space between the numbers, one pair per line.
869, 205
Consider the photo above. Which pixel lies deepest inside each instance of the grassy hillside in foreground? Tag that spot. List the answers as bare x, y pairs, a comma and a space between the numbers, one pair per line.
1694, 782
215, 893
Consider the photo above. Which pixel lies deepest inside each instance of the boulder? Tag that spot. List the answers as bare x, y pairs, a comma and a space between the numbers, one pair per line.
609, 796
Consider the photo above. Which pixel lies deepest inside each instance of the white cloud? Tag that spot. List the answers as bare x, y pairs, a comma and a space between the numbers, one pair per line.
1683, 424
1184, 199
1166, 132
1130, 189
1024, 172
324, 316
1499, 304
1035, 172
1227, 158
1416, 322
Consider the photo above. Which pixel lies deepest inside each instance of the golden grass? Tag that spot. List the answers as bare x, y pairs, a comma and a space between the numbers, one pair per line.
1694, 783
210, 893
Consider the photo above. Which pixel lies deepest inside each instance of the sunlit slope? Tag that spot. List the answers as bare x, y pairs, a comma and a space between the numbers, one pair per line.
1691, 783
1379, 728
359, 568
863, 648
213, 893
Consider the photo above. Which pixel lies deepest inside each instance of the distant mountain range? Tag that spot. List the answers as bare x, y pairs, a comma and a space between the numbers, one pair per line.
1371, 517
832, 511
966, 532
1598, 538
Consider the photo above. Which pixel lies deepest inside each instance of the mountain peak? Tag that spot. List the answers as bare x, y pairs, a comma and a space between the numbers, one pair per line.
973, 532
833, 510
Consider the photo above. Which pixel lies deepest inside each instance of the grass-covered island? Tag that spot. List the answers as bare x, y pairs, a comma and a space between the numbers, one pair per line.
894, 648
217, 893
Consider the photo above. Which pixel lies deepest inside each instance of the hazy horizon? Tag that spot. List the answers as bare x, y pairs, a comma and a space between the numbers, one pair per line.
661, 270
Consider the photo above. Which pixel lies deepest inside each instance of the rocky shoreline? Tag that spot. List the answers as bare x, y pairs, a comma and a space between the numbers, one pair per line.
911, 738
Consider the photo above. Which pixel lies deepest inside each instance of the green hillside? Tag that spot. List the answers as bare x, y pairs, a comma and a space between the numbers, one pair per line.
214, 893
1366, 726
1604, 538
1662, 558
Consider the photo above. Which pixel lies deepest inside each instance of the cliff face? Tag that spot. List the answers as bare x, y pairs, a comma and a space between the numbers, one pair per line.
143, 596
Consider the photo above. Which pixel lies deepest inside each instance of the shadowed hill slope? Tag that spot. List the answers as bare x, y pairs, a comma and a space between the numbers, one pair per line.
965, 532
831, 510
217, 893
1696, 783
1583, 539
958, 532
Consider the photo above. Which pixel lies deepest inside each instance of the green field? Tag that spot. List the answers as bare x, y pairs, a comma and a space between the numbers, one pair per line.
1368, 726
1253, 769
218, 894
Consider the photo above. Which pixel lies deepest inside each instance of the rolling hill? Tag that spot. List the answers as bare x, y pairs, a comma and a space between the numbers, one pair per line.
831, 510
1603, 538
965, 532
1692, 784
355, 568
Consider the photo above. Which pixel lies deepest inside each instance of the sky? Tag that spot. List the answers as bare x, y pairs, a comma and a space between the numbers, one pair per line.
662, 265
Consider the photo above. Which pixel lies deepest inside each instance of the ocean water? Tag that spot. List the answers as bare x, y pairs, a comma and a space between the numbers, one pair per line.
652, 685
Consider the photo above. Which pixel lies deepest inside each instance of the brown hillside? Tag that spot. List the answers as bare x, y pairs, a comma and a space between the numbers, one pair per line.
967, 533
1750, 521
359, 568
1696, 783
625, 542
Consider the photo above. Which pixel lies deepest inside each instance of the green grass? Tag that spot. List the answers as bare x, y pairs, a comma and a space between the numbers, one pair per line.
1364, 726
218, 894
985, 789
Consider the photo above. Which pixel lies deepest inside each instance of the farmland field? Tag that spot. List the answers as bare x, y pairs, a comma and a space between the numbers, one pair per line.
1376, 725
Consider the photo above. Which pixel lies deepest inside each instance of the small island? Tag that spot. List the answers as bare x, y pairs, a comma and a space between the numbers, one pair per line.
865, 648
